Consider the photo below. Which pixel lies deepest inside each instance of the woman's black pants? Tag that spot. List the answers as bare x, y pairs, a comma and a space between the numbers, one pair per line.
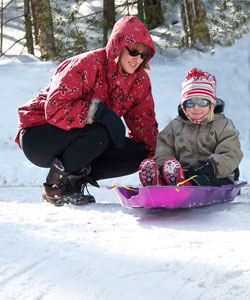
79, 147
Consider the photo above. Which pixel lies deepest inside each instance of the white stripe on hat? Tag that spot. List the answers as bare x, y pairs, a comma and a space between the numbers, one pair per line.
199, 84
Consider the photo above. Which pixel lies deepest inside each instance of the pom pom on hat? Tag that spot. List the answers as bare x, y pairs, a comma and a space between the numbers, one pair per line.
199, 84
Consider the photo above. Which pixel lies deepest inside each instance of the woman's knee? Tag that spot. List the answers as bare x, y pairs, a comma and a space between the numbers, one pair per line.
34, 151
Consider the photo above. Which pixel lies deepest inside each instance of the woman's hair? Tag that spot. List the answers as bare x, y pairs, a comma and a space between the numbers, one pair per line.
142, 48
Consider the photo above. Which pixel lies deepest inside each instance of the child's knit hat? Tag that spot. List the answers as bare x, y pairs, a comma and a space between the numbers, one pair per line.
199, 84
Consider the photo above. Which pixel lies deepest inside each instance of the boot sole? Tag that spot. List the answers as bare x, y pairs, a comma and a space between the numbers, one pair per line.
148, 172
78, 201
172, 172
53, 201
84, 201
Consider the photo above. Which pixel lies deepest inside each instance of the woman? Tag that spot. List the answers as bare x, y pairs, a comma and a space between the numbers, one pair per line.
73, 126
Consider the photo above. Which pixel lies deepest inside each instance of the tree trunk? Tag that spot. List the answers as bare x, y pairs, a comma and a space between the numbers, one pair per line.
28, 27
45, 28
140, 10
108, 18
1, 43
193, 14
35, 17
185, 25
153, 13
202, 30
191, 21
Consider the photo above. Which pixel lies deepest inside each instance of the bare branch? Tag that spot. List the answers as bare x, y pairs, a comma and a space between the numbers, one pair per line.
1, 54
7, 21
8, 4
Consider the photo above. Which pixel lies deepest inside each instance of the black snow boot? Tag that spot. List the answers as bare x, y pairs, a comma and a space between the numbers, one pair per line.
63, 188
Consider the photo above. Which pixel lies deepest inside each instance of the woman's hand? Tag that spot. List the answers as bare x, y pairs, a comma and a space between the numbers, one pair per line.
112, 122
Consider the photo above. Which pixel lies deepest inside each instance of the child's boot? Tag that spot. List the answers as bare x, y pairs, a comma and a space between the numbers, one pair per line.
148, 173
172, 172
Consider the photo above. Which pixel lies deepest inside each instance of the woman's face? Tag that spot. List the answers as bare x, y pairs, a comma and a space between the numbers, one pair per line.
197, 112
129, 63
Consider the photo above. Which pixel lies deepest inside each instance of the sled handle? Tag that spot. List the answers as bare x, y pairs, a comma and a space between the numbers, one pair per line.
124, 186
184, 181
134, 190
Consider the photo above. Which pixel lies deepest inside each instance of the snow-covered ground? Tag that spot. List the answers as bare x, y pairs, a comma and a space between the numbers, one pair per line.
105, 251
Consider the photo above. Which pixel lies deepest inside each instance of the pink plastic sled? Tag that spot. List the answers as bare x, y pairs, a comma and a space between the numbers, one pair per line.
176, 197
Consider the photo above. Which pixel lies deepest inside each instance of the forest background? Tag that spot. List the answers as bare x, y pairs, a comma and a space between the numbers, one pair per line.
55, 30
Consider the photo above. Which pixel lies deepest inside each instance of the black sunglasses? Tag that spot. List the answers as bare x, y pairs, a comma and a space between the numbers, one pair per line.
133, 52
200, 103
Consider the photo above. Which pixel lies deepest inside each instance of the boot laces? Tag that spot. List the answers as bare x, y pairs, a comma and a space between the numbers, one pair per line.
85, 187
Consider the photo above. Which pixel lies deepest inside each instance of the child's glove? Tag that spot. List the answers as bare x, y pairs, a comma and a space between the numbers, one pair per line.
114, 125
205, 168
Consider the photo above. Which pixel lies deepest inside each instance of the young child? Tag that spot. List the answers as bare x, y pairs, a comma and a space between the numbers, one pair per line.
200, 146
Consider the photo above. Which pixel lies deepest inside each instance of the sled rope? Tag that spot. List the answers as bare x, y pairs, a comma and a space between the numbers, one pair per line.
190, 178
134, 190
124, 186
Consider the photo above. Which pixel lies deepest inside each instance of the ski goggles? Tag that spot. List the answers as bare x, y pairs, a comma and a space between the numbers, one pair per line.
200, 103
134, 52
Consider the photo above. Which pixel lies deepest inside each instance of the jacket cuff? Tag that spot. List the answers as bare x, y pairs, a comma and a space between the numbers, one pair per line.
92, 110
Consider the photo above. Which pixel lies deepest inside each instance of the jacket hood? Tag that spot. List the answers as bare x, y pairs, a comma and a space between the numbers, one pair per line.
219, 108
127, 31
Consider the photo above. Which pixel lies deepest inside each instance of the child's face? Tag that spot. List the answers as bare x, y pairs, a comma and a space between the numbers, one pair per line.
197, 112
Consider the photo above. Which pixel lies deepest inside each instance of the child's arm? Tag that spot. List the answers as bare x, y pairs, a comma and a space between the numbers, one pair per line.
165, 145
228, 154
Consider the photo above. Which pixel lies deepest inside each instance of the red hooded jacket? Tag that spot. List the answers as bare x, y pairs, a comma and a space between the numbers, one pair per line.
95, 74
